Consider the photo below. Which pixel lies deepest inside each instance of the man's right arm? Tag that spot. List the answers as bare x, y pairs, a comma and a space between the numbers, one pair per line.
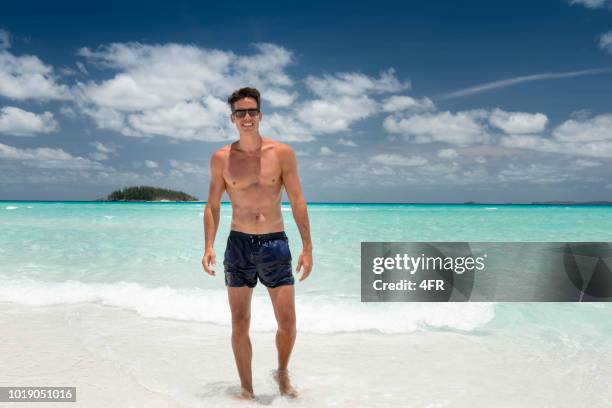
212, 210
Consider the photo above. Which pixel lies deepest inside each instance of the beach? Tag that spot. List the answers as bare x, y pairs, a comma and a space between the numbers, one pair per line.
118, 358
111, 299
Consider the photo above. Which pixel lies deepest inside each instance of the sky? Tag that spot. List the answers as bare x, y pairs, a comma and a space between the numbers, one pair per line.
413, 101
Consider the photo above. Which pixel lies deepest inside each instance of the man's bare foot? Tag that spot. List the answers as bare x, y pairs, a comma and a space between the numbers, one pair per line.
284, 384
245, 395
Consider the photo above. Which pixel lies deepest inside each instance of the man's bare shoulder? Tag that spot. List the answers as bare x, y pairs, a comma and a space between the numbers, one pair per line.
221, 153
283, 150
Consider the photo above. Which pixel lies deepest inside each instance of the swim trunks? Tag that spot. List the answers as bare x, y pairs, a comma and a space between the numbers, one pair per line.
251, 256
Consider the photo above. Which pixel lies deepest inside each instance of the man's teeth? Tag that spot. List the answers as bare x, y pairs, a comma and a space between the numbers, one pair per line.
247, 124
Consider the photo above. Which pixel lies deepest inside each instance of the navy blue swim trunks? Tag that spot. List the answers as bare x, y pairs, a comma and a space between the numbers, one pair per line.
251, 256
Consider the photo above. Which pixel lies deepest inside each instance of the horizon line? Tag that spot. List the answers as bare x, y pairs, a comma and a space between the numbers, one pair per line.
548, 202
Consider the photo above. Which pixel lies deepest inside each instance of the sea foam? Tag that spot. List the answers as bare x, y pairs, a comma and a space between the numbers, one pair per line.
316, 313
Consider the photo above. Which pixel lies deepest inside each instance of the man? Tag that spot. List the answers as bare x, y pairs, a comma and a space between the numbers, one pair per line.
253, 171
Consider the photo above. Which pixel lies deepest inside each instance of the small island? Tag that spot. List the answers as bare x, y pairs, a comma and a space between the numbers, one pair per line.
148, 193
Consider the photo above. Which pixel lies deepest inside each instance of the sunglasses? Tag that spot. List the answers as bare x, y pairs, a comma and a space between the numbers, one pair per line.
241, 113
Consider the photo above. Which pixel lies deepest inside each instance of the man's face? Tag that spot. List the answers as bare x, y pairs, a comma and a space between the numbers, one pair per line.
246, 123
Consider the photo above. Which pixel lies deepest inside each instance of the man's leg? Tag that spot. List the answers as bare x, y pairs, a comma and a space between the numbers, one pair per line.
284, 309
240, 305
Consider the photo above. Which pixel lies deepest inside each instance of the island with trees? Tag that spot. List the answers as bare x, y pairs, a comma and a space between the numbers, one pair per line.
148, 193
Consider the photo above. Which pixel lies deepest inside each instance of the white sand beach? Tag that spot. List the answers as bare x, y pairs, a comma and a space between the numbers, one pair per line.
118, 358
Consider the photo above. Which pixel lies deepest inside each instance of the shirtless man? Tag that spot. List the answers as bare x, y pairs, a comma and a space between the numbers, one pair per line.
253, 171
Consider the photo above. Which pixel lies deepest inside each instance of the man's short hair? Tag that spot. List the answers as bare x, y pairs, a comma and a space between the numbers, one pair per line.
243, 93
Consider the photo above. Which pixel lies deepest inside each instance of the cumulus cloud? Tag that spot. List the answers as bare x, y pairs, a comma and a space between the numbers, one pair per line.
518, 122
151, 164
347, 143
448, 154
534, 173
286, 128
398, 160
180, 168
605, 42
398, 103
331, 116
18, 122
176, 90
48, 158
461, 128
593, 4
325, 151
104, 148
344, 99
543, 144
355, 84
26, 76
102, 151
597, 128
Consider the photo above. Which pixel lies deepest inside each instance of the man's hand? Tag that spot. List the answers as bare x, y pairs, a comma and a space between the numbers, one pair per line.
304, 261
208, 259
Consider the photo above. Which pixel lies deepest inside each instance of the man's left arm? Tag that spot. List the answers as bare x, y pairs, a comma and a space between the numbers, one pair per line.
291, 182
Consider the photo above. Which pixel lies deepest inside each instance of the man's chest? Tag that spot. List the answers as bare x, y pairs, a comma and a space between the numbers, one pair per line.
243, 172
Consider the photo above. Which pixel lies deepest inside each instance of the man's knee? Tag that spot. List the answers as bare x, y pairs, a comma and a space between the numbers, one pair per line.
286, 322
240, 323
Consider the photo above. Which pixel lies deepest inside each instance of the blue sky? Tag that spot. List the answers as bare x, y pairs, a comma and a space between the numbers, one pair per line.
382, 101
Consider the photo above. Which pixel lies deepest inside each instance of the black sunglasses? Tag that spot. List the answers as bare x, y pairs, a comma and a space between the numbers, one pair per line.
241, 113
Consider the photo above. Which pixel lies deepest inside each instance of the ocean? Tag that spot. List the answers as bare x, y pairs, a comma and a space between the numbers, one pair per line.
142, 262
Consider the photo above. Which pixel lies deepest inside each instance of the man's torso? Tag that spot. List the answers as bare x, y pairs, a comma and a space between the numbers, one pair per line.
254, 185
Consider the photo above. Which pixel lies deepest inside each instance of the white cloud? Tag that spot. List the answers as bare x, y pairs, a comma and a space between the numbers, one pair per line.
99, 156
331, 116
48, 158
101, 147
18, 122
585, 130
208, 120
179, 91
587, 163
326, 151
398, 160
593, 3
605, 42
538, 143
448, 154
179, 168
343, 99
398, 103
518, 122
151, 164
27, 77
279, 98
68, 112
534, 173
285, 128
103, 150
461, 128
355, 84
347, 143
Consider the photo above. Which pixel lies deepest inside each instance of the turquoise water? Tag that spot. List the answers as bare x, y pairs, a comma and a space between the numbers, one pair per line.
146, 257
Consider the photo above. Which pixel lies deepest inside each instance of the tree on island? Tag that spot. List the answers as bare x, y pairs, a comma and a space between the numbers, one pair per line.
148, 193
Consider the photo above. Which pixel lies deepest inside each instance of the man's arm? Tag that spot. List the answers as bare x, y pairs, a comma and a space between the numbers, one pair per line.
291, 182
212, 210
